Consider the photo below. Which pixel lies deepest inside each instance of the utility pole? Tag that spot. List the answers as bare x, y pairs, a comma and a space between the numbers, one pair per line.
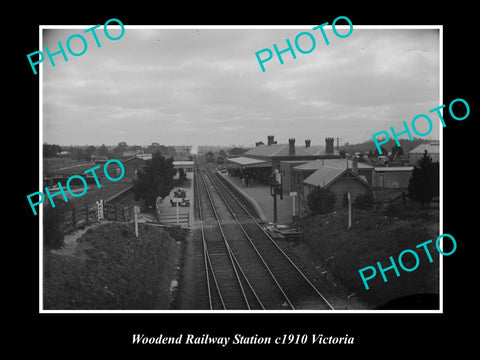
136, 211
349, 211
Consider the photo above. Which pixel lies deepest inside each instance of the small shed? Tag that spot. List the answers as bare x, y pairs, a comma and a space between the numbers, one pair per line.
392, 177
433, 150
339, 181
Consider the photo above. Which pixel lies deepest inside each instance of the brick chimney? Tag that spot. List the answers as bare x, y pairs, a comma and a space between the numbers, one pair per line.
291, 146
270, 140
307, 143
354, 165
329, 146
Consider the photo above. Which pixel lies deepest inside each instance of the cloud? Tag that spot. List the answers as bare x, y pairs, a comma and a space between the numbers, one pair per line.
204, 86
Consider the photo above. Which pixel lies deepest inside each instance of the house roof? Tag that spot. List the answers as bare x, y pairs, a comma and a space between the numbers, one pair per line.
331, 163
276, 150
314, 149
326, 176
323, 177
430, 147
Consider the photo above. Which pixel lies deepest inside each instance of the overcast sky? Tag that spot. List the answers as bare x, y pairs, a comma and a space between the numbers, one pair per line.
204, 86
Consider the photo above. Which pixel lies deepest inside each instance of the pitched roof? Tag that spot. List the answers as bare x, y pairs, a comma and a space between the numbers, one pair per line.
433, 147
314, 149
322, 177
275, 150
331, 163
325, 176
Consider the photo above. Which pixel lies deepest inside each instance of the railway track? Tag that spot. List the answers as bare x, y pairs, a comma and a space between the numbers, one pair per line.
244, 267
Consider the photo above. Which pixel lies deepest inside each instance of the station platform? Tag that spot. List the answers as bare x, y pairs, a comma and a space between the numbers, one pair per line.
260, 194
167, 214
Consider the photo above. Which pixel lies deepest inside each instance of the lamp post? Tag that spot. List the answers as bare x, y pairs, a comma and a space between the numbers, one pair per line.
276, 189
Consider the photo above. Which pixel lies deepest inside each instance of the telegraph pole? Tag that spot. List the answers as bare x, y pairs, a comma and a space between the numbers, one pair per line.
349, 211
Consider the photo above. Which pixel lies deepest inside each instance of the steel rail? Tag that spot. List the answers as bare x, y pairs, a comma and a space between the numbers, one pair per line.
229, 251
250, 240
276, 245
206, 255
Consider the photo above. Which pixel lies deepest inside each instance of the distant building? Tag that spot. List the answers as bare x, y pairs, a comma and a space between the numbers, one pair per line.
340, 180
433, 150
98, 159
301, 172
262, 160
392, 177
144, 156
131, 153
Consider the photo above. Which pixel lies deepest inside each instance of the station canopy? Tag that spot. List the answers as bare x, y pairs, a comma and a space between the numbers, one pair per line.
183, 164
247, 162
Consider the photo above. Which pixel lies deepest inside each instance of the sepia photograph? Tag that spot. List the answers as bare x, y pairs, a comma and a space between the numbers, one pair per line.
262, 169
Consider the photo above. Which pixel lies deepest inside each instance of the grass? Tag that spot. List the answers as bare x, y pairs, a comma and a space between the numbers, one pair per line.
112, 269
375, 236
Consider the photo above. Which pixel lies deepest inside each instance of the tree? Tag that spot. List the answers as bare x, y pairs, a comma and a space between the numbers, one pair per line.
103, 151
237, 151
155, 179
396, 151
51, 150
76, 153
209, 156
321, 201
384, 151
120, 149
424, 183
89, 151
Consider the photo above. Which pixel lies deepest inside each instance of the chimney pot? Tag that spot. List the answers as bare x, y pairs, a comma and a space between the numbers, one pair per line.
307, 143
291, 146
270, 140
355, 166
329, 146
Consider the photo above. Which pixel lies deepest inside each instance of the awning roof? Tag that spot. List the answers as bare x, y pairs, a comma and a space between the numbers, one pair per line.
249, 162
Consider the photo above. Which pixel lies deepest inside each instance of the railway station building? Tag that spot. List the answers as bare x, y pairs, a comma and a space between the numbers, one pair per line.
260, 162
338, 175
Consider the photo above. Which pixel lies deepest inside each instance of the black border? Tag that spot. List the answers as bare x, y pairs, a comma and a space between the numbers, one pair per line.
409, 334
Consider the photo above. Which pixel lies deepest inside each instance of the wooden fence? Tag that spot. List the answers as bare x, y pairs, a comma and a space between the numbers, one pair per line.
171, 219
118, 207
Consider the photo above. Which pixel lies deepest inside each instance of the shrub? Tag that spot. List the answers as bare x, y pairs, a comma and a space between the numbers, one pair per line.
364, 201
321, 201
52, 227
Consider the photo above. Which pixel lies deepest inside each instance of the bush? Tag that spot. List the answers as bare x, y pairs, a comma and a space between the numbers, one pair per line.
52, 227
364, 201
321, 201
391, 210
